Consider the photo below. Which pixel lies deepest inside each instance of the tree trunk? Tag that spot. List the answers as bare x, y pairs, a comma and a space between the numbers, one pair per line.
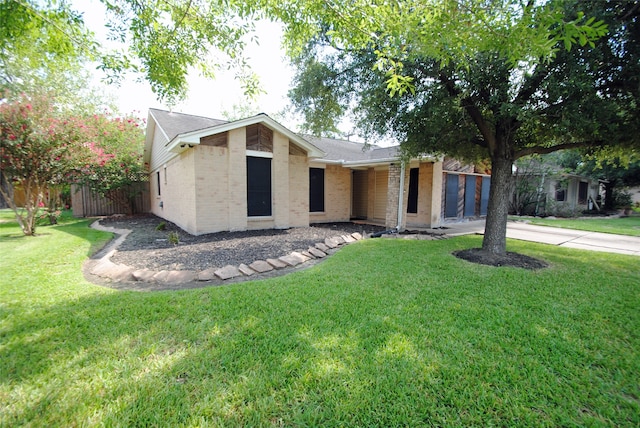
495, 233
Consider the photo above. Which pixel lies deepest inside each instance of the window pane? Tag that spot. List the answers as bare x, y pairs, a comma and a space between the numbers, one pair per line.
451, 196
470, 196
583, 191
412, 203
258, 186
484, 195
316, 190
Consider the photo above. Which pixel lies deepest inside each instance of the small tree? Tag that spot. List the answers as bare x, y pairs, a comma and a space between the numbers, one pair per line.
115, 145
35, 153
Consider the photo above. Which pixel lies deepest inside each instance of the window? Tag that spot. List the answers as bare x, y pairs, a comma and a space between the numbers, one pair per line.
316, 190
561, 193
470, 196
258, 186
484, 195
412, 201
583, 191
158, 181
451, 196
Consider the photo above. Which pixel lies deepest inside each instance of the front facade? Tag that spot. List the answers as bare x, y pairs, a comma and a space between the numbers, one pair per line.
544, 190
208, 176
569, 194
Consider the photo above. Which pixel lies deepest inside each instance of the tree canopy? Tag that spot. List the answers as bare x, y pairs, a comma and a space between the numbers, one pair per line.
496, 79
476, 80
41, 148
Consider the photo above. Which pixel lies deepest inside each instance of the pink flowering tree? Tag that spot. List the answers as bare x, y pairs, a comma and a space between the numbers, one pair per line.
41, 150
36, 154
115, 145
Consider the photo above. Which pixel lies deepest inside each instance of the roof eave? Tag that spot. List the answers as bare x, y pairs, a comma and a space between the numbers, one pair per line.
189, 139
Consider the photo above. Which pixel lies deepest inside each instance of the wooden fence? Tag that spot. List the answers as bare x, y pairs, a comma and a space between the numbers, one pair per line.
88, 204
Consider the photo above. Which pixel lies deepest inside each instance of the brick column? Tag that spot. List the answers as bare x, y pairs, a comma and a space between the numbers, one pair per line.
237, 197
280, 174
393, 196
437, 195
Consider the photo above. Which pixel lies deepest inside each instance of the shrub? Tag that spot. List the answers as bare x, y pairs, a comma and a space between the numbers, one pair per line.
621, 198
174, 238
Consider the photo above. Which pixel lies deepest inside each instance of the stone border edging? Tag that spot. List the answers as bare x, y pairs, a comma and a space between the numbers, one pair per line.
101, 265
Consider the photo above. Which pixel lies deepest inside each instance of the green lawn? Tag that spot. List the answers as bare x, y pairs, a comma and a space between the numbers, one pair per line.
621, 226
383, 333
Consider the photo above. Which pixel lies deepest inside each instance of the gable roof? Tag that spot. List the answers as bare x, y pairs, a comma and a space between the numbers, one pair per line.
182, 131
174, 124
344, 151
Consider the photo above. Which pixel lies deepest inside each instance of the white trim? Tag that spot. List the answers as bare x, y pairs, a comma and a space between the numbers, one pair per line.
465, 173
183, 141
259, 154
155, 121
373, 162
314, 164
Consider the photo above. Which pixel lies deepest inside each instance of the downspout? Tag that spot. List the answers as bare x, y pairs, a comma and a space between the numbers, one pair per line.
401, 198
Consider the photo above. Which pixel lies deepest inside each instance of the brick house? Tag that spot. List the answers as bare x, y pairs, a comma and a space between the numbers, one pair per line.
209, 175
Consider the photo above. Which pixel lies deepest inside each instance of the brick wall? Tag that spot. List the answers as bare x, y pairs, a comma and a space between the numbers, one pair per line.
280, 183
211, 186
337, 195
298, 191
393, 196
237, 181
177, 187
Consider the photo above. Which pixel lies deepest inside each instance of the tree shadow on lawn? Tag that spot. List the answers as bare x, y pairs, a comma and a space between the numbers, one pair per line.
287, 352
98, 239
139, 359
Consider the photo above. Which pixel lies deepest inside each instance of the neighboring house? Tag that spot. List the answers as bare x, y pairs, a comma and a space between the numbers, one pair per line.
210, 175
543, 189
570, 194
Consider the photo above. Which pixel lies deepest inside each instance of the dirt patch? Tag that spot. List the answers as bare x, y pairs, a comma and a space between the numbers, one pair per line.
510, 259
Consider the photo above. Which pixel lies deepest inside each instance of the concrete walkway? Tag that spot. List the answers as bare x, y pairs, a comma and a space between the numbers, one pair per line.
579, 239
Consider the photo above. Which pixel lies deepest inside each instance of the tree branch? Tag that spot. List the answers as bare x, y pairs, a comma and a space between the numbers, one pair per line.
473, 111
543, 150
532, 84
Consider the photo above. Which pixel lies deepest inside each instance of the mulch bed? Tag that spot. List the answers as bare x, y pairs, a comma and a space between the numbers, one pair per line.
149, 248
510, 259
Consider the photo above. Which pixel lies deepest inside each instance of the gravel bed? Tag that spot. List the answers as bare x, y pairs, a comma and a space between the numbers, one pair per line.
147, 247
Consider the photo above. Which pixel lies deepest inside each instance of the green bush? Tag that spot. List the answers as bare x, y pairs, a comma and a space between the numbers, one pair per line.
174, 238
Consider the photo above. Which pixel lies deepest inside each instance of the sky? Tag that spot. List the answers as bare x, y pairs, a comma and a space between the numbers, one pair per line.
206, 97
212, 98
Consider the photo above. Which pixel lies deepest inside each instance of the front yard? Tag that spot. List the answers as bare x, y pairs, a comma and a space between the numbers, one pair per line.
383, 333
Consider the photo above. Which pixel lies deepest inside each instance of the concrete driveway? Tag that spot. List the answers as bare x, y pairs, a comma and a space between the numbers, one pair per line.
579, 239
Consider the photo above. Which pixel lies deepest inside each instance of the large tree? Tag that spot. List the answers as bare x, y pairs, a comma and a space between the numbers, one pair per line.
41, 42
478, 79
